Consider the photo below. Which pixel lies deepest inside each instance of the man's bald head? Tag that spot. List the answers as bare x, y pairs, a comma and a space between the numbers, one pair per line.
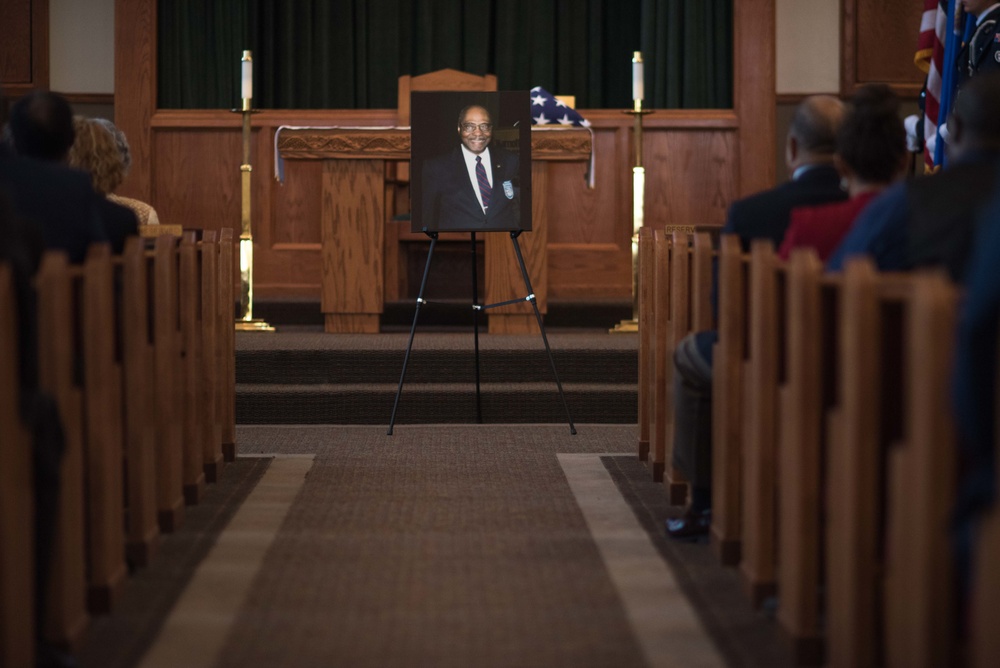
974, 122
812, 135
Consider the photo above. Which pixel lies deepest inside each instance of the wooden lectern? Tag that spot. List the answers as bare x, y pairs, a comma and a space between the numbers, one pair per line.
353, 223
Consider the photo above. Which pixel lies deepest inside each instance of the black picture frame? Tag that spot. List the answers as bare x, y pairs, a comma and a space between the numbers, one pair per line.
442, 194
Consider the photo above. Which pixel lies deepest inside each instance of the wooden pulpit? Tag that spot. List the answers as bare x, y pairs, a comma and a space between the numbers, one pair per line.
353, 223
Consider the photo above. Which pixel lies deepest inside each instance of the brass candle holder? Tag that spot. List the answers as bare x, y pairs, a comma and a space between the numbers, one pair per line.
638, 192
246, 322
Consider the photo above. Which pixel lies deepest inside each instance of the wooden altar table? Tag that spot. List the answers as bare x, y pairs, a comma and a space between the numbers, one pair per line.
353, 221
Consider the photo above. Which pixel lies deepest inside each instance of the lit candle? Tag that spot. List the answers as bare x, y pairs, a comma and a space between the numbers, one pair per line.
247, 76
637, 92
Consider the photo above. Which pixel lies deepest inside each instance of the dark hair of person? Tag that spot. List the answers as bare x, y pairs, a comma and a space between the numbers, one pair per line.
465, 109
978, 109
814, 125
41, 126
872, 140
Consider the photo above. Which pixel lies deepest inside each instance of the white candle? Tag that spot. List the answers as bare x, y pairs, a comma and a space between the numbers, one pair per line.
246, 76
637, 92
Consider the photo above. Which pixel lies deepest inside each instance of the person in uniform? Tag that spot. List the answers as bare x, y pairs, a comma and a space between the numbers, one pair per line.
982, 52
476, 185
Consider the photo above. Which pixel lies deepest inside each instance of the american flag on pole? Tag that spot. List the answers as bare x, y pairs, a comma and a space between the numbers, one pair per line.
930, 59
937, 47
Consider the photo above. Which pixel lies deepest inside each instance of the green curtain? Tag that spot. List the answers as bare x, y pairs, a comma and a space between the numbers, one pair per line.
349, 54
688, 49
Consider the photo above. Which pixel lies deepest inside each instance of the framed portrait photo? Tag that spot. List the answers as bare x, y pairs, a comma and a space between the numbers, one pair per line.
470, 161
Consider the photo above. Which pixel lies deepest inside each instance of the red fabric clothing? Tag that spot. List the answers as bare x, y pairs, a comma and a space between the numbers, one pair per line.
822, 227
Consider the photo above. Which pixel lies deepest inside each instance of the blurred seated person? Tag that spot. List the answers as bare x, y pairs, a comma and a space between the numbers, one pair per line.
974, 388
57, 205
930, 221
809, 153
91, 148
871, 155
41, 127
20, 251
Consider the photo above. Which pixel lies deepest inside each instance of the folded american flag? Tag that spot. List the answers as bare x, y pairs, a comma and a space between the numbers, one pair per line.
547, 110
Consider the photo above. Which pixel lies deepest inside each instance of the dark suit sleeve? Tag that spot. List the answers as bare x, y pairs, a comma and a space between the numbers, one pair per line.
974, 381
119, 223
430, 196
878, 231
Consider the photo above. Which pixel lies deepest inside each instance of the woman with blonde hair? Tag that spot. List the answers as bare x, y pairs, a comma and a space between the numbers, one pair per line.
100, 149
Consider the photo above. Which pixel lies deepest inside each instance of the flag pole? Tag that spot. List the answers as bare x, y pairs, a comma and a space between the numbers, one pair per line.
246, 321
638, 189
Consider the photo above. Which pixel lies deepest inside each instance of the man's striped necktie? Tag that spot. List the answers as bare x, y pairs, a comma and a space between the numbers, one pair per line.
484, 183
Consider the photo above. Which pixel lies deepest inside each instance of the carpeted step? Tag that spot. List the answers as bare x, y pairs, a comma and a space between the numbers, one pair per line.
310, 377
306, 367
434, 403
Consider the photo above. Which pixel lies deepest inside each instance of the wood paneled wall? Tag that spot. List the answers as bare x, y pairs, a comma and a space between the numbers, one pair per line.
690, 160
878, 41
24, 46
696, 164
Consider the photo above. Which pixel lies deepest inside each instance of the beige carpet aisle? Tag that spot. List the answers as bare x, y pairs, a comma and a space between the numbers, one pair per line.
448, 545
437, 546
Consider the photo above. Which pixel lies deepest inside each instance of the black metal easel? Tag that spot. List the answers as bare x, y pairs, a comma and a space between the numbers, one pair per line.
476, 308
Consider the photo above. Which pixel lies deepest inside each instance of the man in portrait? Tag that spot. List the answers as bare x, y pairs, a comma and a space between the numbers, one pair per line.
475, 186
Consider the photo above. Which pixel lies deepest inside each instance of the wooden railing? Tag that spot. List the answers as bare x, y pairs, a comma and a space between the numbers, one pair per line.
137, 352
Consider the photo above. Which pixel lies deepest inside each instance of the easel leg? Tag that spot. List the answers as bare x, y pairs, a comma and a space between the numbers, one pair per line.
475, 326
413, 329
541, 326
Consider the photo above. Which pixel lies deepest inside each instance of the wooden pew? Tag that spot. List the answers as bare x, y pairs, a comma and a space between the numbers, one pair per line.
193, 470
677, 326
867, 459
800, 453
760, 397
898, 518
143, 531
920, 488
211, 364
58, 362
647, 273
702, 318
662, 354
98, 358
865, 423
227, 336
727, 405
17, 537
169, 385
103, 428
852, 476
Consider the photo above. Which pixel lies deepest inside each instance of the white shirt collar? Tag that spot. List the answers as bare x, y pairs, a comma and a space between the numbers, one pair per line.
470, 157
802, 169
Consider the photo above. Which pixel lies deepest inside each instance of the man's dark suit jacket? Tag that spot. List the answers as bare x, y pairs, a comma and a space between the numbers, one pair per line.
449, 201
59, 202
766, 214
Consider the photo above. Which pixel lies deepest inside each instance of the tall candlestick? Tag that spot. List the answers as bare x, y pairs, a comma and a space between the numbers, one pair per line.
246, 322
246, 79
637, 79
638, 190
